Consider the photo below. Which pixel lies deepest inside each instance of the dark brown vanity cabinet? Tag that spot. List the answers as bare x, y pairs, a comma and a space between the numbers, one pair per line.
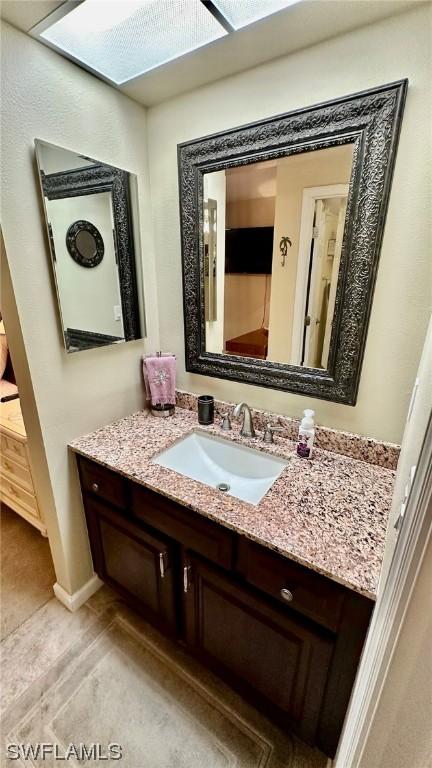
286, 637
261, 649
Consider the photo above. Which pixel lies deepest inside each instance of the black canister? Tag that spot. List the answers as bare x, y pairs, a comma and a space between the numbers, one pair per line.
206, 409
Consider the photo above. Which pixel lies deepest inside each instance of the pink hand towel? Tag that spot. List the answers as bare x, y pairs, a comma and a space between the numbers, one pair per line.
160, 379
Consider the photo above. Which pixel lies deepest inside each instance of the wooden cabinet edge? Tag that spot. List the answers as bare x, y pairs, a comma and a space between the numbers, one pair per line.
32, 514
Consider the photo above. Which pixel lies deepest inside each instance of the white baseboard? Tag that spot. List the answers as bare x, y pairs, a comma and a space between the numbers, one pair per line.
77, 599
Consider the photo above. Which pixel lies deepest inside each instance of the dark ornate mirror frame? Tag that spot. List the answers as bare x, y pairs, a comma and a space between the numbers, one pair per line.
371, 121
71, 236
91, 180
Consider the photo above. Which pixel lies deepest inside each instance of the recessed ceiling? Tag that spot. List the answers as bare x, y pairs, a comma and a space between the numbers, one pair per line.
298, 26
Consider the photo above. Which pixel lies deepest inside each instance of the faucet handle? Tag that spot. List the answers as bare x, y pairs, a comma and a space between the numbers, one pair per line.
226, 422
268, 432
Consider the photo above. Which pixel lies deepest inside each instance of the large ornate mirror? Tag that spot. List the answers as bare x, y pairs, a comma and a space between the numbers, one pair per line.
92, 219
281, 231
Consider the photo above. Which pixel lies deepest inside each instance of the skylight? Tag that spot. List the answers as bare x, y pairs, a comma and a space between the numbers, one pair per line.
240, 13
123, 39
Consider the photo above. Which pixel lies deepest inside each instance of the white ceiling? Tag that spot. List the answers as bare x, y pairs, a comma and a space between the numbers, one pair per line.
24, 15
299, 26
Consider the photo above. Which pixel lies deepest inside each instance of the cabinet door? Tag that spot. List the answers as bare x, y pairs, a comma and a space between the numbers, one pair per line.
282, 661
136, 563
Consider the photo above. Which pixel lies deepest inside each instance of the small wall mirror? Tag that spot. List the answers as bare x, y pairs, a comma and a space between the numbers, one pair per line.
282, 223
92, 219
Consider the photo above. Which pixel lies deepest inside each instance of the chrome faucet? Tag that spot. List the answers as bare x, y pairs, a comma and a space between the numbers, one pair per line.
247, 429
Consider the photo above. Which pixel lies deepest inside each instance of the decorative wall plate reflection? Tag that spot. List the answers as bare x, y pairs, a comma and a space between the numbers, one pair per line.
85, 244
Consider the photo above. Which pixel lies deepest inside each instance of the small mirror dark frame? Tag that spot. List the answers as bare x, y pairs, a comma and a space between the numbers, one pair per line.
72, 235
94, 179
369, 120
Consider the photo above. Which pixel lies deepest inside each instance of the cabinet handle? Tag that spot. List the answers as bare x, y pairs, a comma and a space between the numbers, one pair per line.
162, 564
186, 574
286, 595
95, 487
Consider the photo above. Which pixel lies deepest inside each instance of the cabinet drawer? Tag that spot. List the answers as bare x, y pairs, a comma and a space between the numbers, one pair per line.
17, 472
102, 482
12, 490
13, 449
312, 595
202, 536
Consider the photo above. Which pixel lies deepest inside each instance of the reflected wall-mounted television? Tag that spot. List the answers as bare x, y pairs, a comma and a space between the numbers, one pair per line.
249, 250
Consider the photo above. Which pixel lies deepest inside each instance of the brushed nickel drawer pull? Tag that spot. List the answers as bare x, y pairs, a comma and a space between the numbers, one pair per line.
286, 595
186, 574
162, 564
95, 487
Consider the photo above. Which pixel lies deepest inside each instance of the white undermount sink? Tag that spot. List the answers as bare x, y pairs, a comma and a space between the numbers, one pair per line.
222, 464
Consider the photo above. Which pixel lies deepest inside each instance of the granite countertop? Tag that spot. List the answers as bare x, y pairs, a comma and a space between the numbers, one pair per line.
328, 513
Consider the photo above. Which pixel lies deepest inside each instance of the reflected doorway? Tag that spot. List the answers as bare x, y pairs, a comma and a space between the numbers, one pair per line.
322, 228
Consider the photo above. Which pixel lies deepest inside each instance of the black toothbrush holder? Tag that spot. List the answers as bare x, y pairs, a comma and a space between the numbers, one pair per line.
205, 409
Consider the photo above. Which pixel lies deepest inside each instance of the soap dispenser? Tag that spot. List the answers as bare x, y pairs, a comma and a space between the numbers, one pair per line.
306, 434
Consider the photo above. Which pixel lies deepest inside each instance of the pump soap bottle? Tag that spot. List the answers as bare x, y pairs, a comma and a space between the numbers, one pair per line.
306, 435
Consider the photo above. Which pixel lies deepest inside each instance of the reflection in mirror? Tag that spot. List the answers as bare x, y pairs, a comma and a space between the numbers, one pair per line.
86, 244
272, 255
91, 212
210, 258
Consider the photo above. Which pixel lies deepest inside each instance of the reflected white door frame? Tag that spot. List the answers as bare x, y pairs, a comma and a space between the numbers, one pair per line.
310, 196
312, 296
333, 284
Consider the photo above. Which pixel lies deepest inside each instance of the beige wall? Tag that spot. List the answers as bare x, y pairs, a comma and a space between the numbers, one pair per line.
370, 56
245, 305
255, 212
44, 96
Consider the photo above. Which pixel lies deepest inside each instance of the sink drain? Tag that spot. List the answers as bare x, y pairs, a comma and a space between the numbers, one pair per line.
223, 487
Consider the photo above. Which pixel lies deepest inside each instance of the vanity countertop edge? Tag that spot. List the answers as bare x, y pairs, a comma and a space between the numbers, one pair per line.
328, 514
